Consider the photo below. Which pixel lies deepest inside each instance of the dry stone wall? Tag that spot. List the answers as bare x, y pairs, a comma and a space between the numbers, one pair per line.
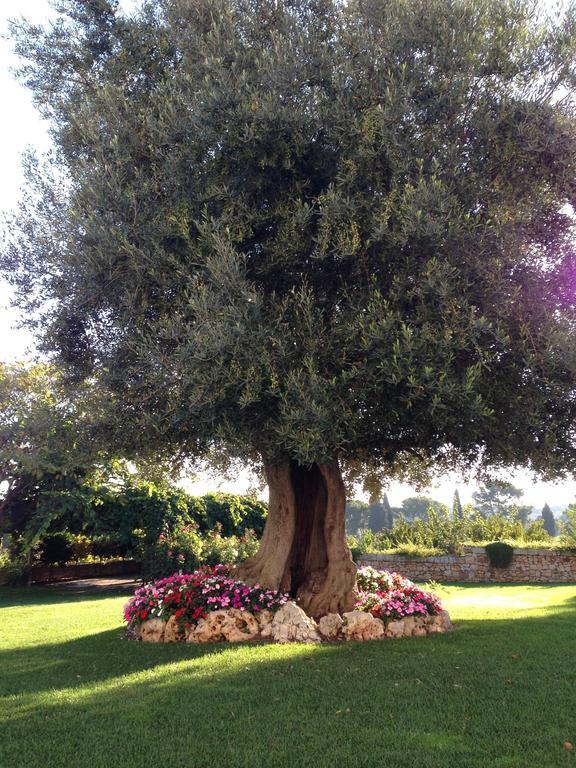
528, 565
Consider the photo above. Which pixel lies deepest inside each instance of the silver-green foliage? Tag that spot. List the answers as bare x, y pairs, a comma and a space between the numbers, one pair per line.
309, 228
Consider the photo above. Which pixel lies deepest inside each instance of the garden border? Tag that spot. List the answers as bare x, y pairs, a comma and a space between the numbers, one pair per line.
43, 574
528, 565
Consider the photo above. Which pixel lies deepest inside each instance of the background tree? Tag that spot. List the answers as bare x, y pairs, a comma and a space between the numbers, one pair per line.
548, 520
522, 513
388, 513
320, 237
377, 516
568, 528
357, 512
496, 497
416, 507
57, 471
457, 511
373, 515
44, 460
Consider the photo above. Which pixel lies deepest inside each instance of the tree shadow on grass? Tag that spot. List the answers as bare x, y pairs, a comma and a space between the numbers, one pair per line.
495, 692
102, 656
94, 658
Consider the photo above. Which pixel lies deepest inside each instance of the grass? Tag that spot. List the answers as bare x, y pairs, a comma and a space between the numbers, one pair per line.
499, 691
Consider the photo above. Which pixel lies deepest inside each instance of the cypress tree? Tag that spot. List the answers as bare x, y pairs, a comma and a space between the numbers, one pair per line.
549, 520
457, 506
388, 514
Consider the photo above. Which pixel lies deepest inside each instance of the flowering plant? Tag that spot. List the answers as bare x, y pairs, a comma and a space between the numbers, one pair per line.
390, 596
225, 592
189, 597
186, 549
370, 580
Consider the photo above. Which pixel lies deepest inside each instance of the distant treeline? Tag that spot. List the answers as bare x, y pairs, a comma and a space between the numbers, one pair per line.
496, 498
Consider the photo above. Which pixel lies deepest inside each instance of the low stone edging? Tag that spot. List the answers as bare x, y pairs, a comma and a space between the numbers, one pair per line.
473, 566
290, 624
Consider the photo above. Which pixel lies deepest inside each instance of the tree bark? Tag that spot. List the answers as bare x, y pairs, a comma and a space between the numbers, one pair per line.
303, 549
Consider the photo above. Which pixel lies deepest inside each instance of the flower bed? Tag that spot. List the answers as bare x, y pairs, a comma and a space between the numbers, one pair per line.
390, 596
190, 597
209, 605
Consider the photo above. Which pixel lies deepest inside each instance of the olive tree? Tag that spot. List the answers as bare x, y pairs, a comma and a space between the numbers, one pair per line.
328, 238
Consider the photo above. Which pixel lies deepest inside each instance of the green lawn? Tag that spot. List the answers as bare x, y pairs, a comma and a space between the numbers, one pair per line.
499, 691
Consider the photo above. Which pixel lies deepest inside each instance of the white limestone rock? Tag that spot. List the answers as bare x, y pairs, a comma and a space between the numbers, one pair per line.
152, 631
359, 625
264, 618
395, 629
291, 625
209, 629
172, 632
330, 626
239, 626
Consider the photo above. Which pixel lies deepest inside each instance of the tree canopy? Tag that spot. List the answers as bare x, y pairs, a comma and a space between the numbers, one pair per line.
308, 228
56, 468
42, 454
496, 497
313, 234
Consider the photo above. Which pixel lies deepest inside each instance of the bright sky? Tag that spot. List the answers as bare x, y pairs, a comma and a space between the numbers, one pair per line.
21, 127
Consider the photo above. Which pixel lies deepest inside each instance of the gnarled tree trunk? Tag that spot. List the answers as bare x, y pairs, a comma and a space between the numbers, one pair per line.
303, 549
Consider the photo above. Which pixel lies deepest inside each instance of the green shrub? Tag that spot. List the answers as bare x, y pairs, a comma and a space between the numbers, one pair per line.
64, 547
355, 549
568, 529
500, 554
115, 545
416, 550
161, 510
443, 532
536, 532
56, 548
5, 558
178, 550
369, 543
81, 547
361, 543
185, 549
143, 505
14, 574
232, 515
13, 570
228, 550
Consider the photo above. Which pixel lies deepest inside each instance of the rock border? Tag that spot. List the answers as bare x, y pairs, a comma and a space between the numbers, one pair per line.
290, 625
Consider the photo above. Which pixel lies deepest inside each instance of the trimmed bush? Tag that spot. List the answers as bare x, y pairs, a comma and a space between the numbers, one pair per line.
500, 554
